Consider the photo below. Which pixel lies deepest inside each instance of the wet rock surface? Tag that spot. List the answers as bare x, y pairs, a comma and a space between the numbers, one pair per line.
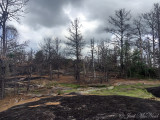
83, 107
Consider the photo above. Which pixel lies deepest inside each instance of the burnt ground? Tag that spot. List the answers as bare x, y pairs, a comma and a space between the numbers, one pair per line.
155, 91
83, 107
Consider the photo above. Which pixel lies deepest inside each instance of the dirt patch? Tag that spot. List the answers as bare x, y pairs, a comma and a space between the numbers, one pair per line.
85, 107
48, 103
66, 79
35, 106
52, 103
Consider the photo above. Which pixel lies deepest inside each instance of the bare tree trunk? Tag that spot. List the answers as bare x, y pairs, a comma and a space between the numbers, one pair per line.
153, 39
77, 70
157, 20
28, 84
4, 38
3, 60
58, 73
50, 69
92, 54
141, 49
2, 77
29, 77
2, 88
9, 10
76, 44
121, 58
57, 48
93, 69
84, 69
158, 30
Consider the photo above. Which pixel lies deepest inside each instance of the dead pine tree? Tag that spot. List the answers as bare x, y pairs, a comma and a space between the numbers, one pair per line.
86, 62
9, 10
57, 50
157, 26
104, 61
2, 77
29, 75
48, 49
139, 30
84, 68
150, 21
120, 25
39, 62
29, 67
92, 59
75, 44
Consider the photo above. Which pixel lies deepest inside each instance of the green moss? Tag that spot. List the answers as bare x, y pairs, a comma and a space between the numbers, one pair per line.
133, 90
69, 91
74, 86
136, 90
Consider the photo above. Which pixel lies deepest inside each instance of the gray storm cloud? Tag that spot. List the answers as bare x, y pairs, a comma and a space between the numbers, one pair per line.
47, 16
49, 13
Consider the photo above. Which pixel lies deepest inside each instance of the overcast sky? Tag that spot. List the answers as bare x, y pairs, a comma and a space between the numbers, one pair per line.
52, 17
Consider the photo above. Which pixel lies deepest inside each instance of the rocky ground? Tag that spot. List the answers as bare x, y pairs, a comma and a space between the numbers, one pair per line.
48, 100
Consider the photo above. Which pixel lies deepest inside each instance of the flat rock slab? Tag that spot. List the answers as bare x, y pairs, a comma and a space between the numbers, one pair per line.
83, 107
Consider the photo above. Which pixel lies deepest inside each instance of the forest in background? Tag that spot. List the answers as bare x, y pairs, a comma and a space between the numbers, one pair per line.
131, 52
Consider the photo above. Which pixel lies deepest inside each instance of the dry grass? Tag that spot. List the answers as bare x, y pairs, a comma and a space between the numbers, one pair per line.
9, 102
